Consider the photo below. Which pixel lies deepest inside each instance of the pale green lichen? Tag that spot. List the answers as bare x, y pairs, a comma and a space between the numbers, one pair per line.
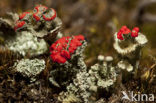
26, 44
124, 65
30, 68
86, 85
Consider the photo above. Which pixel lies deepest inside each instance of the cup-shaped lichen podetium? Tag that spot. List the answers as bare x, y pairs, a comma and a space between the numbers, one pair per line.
42, 22
128, 45
47, 24
66, 54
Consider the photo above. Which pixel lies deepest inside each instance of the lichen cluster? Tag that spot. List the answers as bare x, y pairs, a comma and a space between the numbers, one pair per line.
42, 22
26, 44
37, 30
30, 32
68, 59
29, 35
30, 68
63, 48
128, 45
88, 84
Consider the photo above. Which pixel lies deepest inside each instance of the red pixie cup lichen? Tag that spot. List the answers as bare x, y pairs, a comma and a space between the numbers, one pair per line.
63, 48
38, 12
42, 12
122, 31
50, 15
22, 21
125, 30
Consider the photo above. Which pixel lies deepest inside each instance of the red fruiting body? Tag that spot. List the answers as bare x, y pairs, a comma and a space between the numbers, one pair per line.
50, 15
39, 10
23, 15
37, 18
136, 29
40, 13
19, 24
65, 54
58, 58
62, 49
119, 35
135, 32
125, 30
80, 37
122, 31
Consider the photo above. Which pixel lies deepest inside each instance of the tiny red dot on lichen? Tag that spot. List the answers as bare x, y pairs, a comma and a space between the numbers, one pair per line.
63, 48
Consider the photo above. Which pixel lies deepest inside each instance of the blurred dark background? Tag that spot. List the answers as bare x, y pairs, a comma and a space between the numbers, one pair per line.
97, 20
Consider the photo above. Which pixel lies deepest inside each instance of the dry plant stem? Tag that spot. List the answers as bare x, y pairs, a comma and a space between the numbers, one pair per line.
153, 66
115, 100
146, 83
5, 66
46, 70
152, 72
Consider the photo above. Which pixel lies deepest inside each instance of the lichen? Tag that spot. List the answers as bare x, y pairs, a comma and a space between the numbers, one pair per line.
26, 44
87, 85
128, 45
124, 65
67, 63
42, 22
30, 68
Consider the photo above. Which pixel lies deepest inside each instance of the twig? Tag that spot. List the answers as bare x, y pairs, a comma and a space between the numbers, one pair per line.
153, 66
